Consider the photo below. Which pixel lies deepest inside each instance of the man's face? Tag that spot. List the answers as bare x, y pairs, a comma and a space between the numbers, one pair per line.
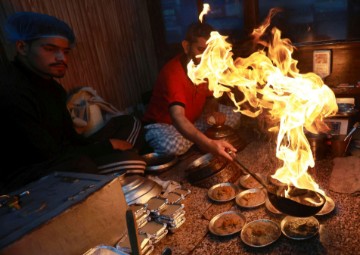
196, 48
47, 57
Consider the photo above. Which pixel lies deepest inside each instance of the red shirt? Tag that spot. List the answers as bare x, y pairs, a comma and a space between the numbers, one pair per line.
173, 86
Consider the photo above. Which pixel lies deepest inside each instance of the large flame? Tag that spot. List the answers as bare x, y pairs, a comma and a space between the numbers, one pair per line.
270, 80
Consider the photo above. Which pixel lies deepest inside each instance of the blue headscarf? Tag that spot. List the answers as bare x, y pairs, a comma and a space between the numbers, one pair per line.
30, 25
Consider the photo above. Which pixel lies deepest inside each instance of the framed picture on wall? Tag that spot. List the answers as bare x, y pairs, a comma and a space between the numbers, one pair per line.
322, 63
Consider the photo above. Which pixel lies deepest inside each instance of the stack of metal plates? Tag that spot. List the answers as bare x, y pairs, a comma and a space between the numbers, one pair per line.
141, 213
146, 245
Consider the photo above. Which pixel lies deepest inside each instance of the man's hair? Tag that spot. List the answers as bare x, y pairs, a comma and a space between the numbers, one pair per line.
196, 30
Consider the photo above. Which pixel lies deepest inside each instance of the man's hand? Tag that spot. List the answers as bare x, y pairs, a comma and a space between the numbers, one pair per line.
120, 144
221, 147
189, 131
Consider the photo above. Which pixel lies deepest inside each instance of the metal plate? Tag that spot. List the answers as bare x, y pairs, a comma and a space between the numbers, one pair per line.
328, 207
260, 233
251, 198
248, 182
227, 223
299, 228
157, 162
223, 192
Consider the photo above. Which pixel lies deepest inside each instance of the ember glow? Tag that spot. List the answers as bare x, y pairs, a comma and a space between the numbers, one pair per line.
271, 83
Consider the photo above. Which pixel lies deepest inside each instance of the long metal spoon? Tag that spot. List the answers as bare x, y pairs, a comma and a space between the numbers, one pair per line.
298, 202
356, 125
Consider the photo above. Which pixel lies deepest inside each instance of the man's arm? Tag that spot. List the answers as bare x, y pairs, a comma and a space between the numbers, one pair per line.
190, 132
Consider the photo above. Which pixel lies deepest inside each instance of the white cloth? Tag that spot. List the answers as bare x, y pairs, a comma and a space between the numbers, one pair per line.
89, 111
167, 186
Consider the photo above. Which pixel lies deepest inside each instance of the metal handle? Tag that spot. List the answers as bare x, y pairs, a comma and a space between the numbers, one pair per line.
257, 178
356, 125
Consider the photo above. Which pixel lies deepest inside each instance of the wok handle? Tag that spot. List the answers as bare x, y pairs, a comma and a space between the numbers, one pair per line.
257, 178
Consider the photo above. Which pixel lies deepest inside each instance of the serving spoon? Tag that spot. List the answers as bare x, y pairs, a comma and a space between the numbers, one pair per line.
298, 202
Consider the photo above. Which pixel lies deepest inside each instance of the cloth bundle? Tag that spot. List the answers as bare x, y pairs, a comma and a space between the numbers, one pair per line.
89, 111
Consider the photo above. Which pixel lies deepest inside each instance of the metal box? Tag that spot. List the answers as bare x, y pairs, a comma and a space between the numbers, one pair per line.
65, 213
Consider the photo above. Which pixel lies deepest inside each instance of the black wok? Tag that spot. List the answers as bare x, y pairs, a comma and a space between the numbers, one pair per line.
298, 202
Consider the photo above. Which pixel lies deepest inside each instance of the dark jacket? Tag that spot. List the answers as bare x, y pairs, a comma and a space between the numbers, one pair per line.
36, 127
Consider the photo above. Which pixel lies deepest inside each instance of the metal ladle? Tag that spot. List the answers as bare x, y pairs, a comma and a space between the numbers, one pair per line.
298, 202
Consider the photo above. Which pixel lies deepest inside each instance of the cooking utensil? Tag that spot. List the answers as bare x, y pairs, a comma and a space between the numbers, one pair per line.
208, 170
356, 125
298, 202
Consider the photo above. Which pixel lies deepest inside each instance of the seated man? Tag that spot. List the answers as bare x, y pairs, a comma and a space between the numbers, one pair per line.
173, 120
37, 133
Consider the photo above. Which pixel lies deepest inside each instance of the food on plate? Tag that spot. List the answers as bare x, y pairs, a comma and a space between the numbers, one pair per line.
228, 223
260, 233
301, 227
223, 193
249, 199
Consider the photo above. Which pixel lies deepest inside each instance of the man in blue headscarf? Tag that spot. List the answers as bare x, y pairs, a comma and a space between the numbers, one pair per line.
37, 132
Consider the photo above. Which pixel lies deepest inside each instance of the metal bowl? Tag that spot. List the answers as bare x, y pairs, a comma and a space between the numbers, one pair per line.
156, 162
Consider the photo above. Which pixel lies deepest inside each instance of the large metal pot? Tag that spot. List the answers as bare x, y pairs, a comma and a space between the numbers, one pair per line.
208, 170
226, 133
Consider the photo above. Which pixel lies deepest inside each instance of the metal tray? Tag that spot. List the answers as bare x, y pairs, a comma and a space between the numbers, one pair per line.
104, 250
230, 187
153, 229
172, 211
173, 198
251, 198
182, 191
299, 228
156, 204
220, 221
260, 233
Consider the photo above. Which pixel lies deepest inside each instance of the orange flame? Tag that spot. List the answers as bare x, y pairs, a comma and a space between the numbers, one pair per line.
271, 81
206, 9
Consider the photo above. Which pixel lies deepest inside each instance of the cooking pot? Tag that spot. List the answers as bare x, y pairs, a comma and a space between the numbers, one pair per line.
208, 170
226, 133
